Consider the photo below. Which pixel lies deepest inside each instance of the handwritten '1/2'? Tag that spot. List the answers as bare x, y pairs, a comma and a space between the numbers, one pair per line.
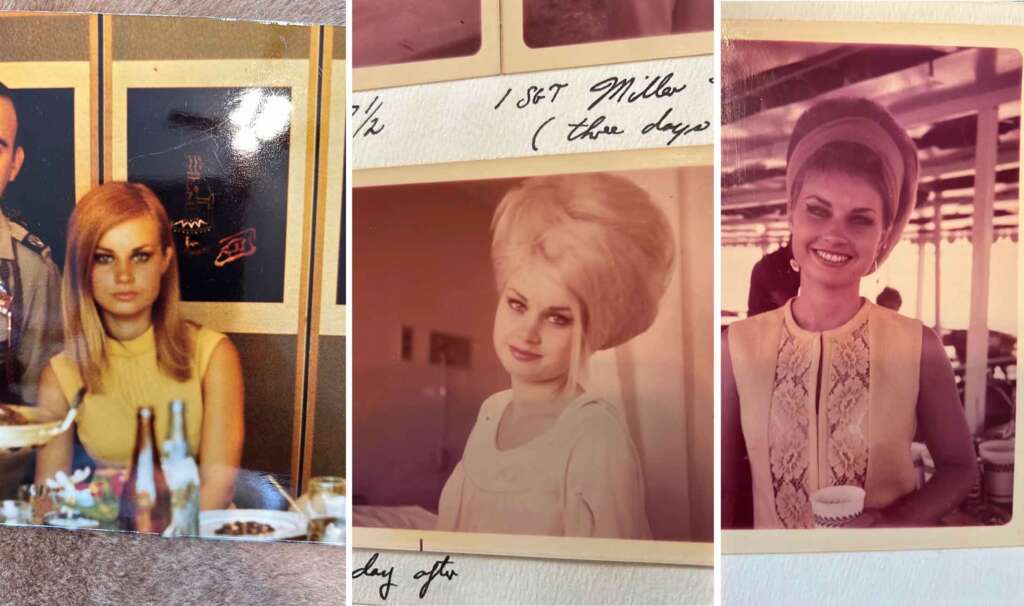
370, 125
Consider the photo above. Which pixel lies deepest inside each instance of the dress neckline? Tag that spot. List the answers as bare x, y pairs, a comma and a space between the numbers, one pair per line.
144, 343
856, 320
545, 437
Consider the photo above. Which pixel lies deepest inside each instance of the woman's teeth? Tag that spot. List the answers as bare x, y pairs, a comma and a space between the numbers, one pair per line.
832, 257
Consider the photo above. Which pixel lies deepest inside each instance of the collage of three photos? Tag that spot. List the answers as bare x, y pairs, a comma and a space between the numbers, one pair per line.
631, 282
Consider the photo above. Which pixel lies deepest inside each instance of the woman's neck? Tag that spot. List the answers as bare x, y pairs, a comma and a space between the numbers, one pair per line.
550, 396
820, 308
126, 329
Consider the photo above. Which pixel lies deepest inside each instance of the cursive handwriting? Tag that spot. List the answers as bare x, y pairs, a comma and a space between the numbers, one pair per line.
534, 95
617, 89
438, 570
370, 570
585, 129
678, 129
370, 125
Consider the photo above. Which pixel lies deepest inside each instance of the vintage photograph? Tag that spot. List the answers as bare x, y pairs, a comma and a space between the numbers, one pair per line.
539, 35
562, 22
145, 391
386, 32
870, 217
403, 42
523, 360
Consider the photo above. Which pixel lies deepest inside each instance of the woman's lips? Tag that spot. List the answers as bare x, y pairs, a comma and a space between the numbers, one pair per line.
831, 258
125, 296
522, 355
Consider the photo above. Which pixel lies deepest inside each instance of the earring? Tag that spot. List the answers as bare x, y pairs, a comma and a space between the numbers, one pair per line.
794, 265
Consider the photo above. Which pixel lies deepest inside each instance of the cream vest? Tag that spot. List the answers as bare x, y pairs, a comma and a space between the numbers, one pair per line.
826, 408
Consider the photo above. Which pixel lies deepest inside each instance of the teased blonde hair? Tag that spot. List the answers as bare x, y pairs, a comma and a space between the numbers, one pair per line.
599, 235
104, 207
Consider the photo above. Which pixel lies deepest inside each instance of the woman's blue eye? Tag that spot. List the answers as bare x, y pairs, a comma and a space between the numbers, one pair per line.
142, 256
102, 259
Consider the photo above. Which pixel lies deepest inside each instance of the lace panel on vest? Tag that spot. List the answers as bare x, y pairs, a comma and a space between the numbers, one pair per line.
788, 431
850, 376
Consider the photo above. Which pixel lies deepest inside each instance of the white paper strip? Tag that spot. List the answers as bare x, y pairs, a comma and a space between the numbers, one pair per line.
607, 108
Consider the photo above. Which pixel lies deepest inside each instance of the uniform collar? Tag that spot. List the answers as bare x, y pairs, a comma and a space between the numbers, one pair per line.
6, 240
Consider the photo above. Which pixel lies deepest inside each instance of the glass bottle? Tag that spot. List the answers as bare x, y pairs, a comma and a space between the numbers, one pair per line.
182, 475
145, 504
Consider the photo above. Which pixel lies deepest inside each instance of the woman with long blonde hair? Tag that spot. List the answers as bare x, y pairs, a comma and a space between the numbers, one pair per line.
127, 345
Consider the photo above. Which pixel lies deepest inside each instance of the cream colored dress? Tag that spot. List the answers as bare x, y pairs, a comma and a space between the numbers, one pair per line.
581, 477
826, 408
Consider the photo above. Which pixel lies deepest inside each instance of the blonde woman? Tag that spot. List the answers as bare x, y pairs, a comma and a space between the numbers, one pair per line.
127, 345
830, 388
581, 263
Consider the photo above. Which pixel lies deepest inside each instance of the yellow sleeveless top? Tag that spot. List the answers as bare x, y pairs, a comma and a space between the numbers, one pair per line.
826, 408
106, 421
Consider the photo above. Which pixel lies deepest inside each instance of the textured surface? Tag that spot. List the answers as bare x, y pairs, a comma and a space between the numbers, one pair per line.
291, 11
45, 565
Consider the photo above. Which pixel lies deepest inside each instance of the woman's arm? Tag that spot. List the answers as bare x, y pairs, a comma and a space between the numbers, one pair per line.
220, 452
942, 423
56, 454
734, 466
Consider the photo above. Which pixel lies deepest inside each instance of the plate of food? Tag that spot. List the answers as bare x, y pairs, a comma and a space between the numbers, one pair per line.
251, 524
26, 426
30, 426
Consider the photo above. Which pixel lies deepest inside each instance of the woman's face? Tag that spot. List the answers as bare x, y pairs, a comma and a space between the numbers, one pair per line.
837, 228
127, 267
534, 327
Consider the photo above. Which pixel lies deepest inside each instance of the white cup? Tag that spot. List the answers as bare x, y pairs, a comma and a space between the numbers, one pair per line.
997, 459
837, 506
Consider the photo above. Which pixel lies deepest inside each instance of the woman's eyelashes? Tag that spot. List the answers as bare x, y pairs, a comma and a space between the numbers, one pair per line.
141, 256
557, 318
856, 218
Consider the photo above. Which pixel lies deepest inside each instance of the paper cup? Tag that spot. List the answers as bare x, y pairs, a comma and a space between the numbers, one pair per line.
997, 461
837, 506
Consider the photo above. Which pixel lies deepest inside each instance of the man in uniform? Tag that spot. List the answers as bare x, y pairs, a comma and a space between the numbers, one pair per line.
30, 313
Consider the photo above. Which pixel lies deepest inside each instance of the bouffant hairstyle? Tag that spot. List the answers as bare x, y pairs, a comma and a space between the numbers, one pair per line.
603, 238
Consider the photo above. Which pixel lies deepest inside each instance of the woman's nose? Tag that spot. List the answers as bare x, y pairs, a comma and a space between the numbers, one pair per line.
530, 330
123, 273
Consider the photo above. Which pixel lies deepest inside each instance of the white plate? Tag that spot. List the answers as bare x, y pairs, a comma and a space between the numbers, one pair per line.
287, 524
42, 427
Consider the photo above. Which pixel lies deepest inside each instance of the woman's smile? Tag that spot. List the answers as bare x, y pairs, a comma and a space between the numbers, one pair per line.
533, 327
523, 355
837, 228
831, 258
